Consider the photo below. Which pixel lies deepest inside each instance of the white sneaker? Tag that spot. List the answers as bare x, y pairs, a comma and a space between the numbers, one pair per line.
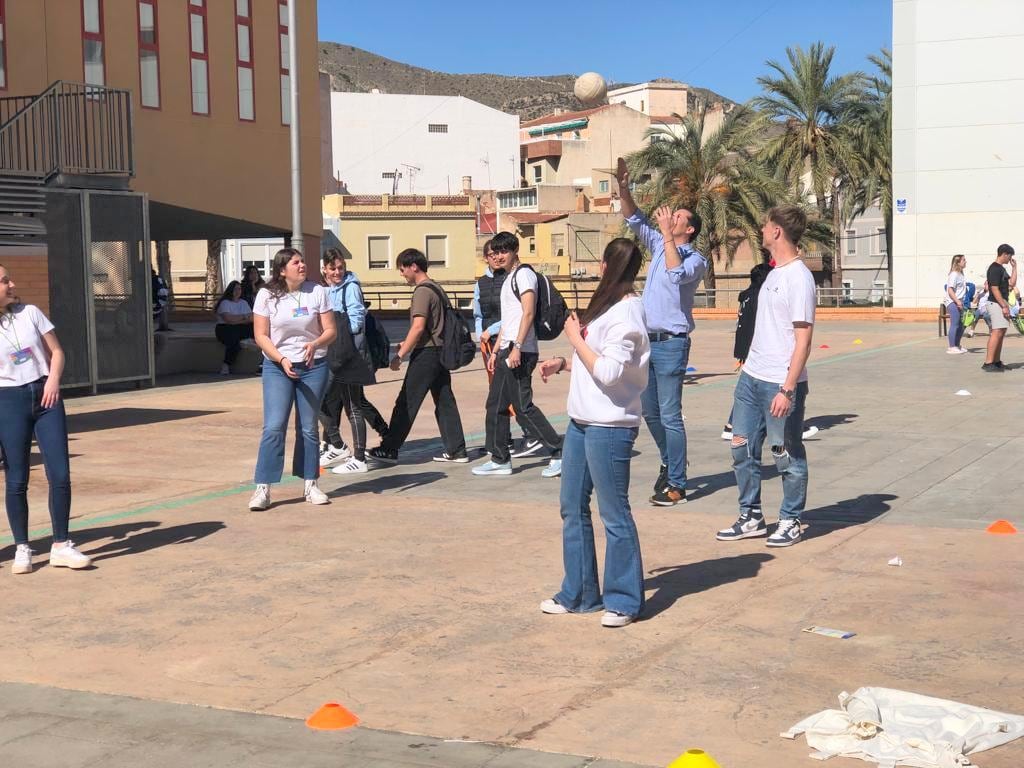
952, 350
810, 432
553, 469
260, 498
330, 455
613, 619
22, 559
314, 495
552, 607
66, 556
727, 432
349, 467
493, 468
969, 333
962, 351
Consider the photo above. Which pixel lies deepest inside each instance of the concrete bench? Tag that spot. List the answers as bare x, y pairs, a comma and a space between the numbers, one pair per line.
198, 352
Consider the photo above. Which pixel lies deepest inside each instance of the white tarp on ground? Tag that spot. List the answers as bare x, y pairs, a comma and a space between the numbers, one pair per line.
897, 728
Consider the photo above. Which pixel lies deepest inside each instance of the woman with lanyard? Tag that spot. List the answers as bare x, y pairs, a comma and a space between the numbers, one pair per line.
293, 325
30, 369
609, 373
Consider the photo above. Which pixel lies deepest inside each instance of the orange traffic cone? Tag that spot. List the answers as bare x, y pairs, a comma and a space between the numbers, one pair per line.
693, 758
332, 717
1001, 526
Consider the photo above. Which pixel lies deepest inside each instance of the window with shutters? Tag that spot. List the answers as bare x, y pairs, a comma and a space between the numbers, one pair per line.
437, 250
379, 249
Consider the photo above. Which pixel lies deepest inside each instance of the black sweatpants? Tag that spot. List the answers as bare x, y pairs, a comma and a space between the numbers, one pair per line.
514, 386
426, 374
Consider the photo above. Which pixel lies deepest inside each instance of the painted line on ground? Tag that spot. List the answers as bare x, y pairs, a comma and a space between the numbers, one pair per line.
560, 418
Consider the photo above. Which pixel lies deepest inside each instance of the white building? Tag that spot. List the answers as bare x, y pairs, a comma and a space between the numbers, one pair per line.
958, 139
422, 145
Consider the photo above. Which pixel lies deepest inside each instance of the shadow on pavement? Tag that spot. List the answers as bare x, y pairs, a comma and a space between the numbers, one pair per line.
827, 422
677, 581
844, 514
116, 418
398, 483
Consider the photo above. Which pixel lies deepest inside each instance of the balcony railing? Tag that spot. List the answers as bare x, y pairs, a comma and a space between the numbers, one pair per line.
69, 128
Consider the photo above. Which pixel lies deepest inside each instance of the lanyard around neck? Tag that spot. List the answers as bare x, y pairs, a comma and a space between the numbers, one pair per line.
14, 329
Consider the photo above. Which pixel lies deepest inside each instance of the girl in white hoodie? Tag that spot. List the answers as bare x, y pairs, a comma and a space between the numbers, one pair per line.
609, 373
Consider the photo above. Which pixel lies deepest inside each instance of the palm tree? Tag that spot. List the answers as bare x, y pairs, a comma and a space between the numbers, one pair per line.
812, 107
713, 172
872, 131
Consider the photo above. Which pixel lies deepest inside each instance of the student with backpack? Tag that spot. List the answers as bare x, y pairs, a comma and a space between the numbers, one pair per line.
435, 345
513, 364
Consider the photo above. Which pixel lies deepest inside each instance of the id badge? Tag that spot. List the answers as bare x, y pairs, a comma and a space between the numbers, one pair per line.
300, 312
21, 356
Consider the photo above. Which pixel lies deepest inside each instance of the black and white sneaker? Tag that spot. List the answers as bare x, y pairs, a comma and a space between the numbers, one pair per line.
381, 455
786, 534
749, 525
458, 458
662, 482
529, 447
727, 432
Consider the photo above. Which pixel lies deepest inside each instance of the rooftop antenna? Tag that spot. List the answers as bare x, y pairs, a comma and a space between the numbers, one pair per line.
412, 169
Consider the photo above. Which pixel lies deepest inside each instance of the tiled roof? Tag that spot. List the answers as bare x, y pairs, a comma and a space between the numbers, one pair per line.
562, 117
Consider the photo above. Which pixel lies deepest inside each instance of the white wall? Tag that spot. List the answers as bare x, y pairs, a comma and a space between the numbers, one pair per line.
376, 133
958, 138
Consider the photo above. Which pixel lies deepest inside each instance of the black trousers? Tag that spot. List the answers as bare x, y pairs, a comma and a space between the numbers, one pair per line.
350, 398
514, 386
426, 374
231, 337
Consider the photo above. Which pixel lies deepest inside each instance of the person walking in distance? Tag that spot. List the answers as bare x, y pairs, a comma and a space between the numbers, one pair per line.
31, 365
609, 374
772, 388
956, 290
675, 270
422, 347
293, 325
512, 365
999, 285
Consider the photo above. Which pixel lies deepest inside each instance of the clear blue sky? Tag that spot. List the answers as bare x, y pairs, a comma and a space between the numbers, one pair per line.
721, 45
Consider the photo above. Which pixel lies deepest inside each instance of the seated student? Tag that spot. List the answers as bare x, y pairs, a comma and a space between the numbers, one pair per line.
234, 323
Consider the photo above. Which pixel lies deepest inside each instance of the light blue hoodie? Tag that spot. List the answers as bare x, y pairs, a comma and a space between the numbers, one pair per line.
348, 298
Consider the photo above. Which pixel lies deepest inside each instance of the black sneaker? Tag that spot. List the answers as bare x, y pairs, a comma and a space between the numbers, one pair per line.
381, 455
662, 481
749, 525
999, 364
992, 368
528, 448
458, 458
669, 496
786, 534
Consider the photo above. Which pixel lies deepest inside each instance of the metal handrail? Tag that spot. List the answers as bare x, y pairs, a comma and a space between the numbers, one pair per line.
68, 128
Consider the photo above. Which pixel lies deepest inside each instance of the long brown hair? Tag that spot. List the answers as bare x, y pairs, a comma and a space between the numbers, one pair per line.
622, 260
7, 313
955, 265
276, 284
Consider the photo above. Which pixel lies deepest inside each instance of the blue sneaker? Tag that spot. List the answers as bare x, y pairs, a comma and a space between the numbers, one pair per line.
493, 468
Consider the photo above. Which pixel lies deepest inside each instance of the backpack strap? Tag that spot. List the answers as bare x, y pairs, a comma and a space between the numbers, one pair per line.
515, 288
436, 289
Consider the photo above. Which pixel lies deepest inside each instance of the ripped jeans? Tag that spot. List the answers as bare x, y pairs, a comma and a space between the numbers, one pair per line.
751, 424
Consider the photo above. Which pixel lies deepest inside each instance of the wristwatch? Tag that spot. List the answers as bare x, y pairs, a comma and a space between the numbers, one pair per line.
517, 345
789, 393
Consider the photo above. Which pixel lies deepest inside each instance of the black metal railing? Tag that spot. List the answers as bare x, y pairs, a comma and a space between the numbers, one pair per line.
69, 128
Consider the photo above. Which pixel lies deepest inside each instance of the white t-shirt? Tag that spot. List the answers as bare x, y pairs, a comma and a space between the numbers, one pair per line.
786, 297
294, 318
958, 283
610, 397
512, 308
229, 307
24, 357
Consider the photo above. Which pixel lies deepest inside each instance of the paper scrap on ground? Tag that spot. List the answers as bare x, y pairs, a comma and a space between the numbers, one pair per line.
898, 728
963, 393
857, 341
897, 561
841, 634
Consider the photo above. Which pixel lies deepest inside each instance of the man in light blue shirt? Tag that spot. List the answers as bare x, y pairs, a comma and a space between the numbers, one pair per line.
673, 274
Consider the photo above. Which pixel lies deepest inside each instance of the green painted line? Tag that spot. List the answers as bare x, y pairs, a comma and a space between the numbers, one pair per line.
559, 418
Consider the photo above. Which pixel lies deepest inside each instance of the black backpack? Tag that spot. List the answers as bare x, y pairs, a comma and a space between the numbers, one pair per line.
377, 342
551, 310
457, 346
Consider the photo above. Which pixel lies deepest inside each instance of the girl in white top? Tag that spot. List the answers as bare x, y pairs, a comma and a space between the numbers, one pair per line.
609, 373
31, 364
234, 323
956, 289
293, 324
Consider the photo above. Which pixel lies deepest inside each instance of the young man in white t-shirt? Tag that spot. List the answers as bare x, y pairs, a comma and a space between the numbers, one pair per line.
512, 364
772, 389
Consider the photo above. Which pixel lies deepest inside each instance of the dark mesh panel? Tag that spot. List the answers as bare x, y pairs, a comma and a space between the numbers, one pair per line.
120, 281
68, 295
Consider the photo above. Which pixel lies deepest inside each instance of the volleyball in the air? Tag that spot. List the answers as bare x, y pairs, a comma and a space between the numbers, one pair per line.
590, 88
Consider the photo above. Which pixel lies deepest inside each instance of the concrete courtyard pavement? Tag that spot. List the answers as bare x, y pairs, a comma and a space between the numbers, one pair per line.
412, 599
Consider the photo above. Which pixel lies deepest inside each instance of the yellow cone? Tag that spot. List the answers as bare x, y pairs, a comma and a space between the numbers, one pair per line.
694, 758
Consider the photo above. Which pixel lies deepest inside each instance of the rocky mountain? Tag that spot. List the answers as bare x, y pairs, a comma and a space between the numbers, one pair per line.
355, 70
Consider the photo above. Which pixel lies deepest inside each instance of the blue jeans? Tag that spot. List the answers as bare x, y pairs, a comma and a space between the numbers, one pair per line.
22, 416
662, 403
753, 422
279, 392
597, 458
956, 325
